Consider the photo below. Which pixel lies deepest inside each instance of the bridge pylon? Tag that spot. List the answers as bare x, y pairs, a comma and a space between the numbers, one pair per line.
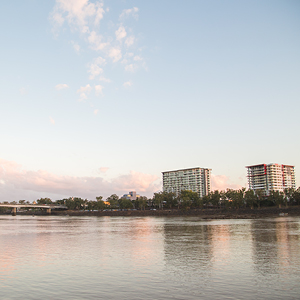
14, 211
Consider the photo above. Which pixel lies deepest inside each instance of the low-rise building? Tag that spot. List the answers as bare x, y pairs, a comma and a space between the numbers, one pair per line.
131, 195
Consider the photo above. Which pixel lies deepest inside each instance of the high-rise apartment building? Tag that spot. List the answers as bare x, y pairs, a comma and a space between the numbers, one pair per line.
271, 177
194, 179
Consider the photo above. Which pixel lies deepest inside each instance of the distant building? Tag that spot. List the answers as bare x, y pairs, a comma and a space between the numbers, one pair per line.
131, 196
193, 179
271, 177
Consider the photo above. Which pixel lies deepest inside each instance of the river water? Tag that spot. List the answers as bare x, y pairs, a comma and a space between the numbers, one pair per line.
61, 257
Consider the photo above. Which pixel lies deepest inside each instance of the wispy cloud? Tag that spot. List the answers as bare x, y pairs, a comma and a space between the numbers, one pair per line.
95, 67
96, 111
84, 91
23, 91
115, 54
96, 42
52, 121
16, 183
101, 78
130, 41
137, 58
132, 62
94, 70
120, 33
61, 86
99, 89
76, 47
103, 169
127, 84
83, 17
129, 12
79, 14
131, 68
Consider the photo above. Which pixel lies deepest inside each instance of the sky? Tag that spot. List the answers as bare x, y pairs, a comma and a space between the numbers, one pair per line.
100, 97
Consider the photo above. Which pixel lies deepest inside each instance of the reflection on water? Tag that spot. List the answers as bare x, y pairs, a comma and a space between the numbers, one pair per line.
276, 247
148, 258
188, 245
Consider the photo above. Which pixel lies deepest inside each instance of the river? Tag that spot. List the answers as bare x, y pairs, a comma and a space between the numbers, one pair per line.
61, 257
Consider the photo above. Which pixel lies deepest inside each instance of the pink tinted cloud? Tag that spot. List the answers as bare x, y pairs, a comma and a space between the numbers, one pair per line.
17, 183
103, 169
222, 182
145, 182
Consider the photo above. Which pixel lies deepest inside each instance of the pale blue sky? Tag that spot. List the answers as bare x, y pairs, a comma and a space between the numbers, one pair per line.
124, 90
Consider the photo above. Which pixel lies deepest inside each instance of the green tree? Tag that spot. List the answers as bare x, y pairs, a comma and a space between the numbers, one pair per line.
230, 195
206, 200
125, 203
260, 193
250, 198
158, 200
196, 200
78, 203
277, 197
74, 203
239, 197
186, 198
224, 199
165, 199
113, 200
99, 198
296, 196
100, 205
288, 196
189, 199
44, 201
142, 202
69, 203
91, 205
60, 202
170, 200
215, 198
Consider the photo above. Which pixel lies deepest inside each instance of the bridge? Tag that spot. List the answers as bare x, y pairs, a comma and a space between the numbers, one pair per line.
48, 207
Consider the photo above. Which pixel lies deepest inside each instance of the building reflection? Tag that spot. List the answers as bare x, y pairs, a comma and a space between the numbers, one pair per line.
220, 241
275, 247
208, 246
146, 241
188, 246
132, 243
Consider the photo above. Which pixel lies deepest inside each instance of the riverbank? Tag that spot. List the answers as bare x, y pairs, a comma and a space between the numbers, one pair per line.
207, 213
243, 213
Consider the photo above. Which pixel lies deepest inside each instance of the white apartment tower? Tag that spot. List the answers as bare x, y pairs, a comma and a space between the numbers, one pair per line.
271, 177
194, 179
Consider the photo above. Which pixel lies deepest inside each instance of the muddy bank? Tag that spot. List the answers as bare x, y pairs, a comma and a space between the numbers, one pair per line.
243, 213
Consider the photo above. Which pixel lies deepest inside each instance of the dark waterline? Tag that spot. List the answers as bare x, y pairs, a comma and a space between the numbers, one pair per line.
63, 257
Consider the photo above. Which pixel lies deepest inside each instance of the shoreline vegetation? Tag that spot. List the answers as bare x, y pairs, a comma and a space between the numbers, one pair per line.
207, 213
210, 213
236, 204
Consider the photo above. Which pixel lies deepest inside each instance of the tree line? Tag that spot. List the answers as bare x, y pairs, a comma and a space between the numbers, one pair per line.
112, 202
240, 198
230, 198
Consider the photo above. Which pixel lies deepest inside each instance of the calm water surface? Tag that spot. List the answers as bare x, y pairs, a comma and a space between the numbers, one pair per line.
55, 257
